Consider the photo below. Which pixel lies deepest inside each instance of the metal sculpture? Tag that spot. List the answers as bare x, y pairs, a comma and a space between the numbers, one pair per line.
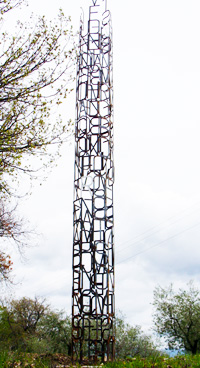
93, 256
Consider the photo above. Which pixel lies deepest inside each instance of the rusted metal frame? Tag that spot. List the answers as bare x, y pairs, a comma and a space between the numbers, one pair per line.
93, 226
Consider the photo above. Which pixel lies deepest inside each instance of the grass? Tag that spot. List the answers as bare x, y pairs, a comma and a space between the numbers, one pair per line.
22, 360
25, 360
183, 361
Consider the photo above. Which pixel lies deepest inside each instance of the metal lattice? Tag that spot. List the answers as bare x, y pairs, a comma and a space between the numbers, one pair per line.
93, 256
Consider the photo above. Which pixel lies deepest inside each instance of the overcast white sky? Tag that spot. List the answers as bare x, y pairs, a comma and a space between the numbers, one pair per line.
157, 155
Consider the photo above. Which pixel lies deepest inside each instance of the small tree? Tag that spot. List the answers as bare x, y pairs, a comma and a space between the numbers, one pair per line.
176, 317
21, 318
30, 325
26, 313
131, 341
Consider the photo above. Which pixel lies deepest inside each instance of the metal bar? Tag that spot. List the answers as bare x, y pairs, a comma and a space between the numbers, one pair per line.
93, 309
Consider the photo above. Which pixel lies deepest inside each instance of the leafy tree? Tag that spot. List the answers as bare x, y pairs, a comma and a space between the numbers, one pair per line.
176, 317
30, 325
22, 317
131, 341
34, 76
55, 329
26, 313
35, 69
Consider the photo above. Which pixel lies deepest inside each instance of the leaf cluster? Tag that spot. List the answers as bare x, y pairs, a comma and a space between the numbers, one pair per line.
6, 5
34, 75
5, 266
176, 317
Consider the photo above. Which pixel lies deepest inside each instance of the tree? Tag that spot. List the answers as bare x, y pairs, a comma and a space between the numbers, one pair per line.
35, 70
29, 325
26, 313
55, 329
131, 341
34, 76
176, 317
22, 317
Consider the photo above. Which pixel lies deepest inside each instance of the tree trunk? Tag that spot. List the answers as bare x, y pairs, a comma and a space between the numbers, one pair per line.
194, 347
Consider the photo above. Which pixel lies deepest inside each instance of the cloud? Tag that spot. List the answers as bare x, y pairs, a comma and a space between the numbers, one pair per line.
156, 195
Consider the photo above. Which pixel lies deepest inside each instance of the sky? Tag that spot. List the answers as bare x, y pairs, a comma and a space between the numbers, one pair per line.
157, 153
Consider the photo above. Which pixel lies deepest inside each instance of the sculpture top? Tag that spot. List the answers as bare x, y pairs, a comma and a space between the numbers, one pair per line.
97, 12
98, 2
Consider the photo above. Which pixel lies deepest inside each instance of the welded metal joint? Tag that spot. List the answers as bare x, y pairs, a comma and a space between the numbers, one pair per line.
93, 255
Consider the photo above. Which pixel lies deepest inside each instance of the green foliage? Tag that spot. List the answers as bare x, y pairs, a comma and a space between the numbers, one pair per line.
17, 359
176, 317
18, 322
34, 76
4, 359
55, 330
36, 66
182, 361
131, 341
6, 5
5, 331
29, 325
8, 360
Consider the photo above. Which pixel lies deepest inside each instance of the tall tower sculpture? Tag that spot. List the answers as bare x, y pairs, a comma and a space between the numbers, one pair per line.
93, 255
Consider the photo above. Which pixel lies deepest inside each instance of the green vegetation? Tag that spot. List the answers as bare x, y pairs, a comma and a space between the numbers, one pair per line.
22, 360
17, 359
33, 335
30, 326
36, 59
176, 317
35, 65
183, 361
131, 341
